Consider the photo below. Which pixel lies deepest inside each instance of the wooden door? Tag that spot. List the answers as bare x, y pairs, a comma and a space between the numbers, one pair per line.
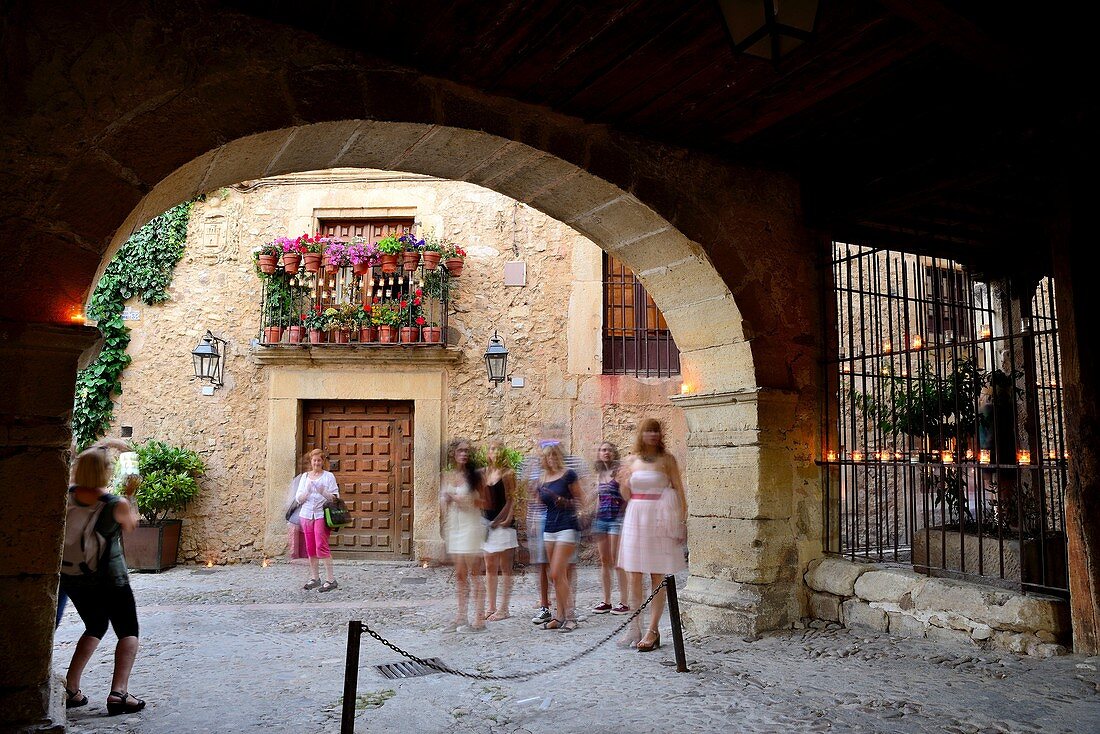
369, 447
370, 230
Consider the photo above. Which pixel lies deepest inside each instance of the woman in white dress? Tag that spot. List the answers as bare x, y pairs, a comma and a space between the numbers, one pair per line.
654, 532
461, 503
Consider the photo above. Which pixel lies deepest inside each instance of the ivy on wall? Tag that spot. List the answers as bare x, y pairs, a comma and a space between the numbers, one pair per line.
143, 268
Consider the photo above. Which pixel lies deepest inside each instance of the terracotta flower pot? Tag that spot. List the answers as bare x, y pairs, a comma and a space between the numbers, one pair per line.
431, 259
387, 334
316, 336
341, 336
432, 334
267, 263
273, 334
389, 263
312, 262
409, 334
291, 262
410, 260
295, 334
367, 334
361, 268
454, 266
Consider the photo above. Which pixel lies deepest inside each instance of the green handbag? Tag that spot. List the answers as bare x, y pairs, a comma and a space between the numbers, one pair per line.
337, 514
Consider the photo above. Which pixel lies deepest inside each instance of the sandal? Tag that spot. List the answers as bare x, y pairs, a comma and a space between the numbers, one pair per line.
498, 616
553, 624
73, 699
312, 584
122, 705
629, 640
329, 585
569, 626
643, 647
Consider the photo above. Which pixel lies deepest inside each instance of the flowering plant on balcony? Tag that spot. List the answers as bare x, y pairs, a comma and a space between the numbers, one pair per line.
451, 251
390, 245
362, 253
411, 242
273, 248
289, 245
314, 320
312, 243
433, 243
343, 316
386, 313
337, 253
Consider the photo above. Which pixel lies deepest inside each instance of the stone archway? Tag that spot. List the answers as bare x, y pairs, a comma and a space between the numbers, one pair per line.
750, 531
213, 98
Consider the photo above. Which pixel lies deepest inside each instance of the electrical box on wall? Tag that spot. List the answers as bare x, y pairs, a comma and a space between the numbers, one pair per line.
515, 273
518, 382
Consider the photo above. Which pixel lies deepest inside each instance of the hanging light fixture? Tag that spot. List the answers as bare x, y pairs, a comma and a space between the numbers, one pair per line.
496, 359
209, 360
769, 29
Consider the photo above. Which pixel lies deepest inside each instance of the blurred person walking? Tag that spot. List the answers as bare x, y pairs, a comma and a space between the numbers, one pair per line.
608, 526
500, 545
94, 575
315, 488
461, 502
653, 534
560, 491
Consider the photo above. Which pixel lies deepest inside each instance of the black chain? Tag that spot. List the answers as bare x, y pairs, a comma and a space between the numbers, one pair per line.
514, 676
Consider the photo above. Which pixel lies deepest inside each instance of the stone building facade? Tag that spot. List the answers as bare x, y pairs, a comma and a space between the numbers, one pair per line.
250, 431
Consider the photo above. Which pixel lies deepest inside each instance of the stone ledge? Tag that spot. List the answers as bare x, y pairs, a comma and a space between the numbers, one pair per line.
907, 604
329, 354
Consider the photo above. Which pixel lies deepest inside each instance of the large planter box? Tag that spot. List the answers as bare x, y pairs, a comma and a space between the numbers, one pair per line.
152, 547
933, 551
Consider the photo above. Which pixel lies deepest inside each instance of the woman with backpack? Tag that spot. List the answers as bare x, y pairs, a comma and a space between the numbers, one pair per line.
315, 488
94, 576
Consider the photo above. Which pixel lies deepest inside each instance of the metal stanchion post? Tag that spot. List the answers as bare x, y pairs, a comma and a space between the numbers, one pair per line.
351, 678
677, 628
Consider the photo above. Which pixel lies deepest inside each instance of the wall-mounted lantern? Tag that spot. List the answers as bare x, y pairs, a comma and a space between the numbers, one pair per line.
769, 29
496, 359
209, 360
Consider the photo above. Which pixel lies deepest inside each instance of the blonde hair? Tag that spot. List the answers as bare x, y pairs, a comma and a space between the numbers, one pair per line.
91, 469
649, 424
551, 458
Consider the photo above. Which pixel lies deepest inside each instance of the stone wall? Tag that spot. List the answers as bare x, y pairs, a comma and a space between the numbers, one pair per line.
551, 326
908, 604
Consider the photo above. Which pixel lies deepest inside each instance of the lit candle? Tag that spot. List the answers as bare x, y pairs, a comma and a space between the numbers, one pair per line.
845, 367
830, 456
899, 456
970, 455
917, 341
885, 456
685, 388
1052, 455
983, 456
1023, 457
986, 332
264, 564
857, 456
209, 564
887, 347
947, 457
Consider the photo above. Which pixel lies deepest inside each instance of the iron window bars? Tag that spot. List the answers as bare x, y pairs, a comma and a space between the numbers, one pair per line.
636, 339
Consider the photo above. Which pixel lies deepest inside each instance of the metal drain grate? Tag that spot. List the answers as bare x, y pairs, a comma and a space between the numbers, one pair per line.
407, 669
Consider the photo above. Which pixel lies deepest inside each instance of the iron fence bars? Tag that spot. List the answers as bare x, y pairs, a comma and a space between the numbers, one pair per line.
944, 444
420, 297
636, 339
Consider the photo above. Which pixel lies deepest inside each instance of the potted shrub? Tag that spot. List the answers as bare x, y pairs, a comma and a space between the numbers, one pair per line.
266, 257
311, 248
386, 316
169, 483
430, 333
410, 319
281, 300
292, 254
367, 331
453, 258
314, 323
336, 255
410, 257
389, 249
363, 256
296, 331
432, 251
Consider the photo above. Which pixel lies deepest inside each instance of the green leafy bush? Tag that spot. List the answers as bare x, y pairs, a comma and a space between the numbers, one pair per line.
169, 479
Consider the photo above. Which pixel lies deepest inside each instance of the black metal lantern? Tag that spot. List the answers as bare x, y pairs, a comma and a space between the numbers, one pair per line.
769, 29
496, 359
209, 360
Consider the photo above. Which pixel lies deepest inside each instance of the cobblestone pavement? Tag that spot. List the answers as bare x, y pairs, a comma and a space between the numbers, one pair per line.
244, 649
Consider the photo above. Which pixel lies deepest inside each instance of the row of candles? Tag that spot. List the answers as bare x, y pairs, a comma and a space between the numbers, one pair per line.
916, 341
381, 287
943, 457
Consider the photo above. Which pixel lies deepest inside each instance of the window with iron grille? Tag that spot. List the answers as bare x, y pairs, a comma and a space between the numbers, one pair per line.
636, 339
943, 420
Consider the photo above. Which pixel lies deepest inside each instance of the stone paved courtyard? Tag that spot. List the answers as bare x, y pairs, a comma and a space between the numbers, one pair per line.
244, 649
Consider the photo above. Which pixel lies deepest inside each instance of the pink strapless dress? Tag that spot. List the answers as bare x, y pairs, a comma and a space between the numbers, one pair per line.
651, 526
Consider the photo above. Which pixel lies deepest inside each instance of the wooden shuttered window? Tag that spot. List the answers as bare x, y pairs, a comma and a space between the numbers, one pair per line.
636, 339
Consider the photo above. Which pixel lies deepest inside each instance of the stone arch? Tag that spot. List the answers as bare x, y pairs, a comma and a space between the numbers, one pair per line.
676, 271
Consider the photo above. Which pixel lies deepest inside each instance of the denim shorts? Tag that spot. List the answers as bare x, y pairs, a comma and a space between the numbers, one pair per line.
608, 527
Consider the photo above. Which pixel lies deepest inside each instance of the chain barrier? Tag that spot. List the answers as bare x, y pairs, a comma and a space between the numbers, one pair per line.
515, 676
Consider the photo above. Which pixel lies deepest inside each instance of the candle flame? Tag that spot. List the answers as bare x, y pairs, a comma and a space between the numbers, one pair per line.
1023, 457
983, 456
209, 564
264, 564
917, 341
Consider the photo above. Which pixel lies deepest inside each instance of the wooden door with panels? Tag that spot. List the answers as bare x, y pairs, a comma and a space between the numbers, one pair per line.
369, 445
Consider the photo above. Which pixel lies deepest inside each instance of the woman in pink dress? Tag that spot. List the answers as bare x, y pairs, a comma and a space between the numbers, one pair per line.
654, 532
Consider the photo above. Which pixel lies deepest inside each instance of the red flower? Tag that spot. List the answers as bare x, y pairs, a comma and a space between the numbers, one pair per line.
404, 304
419, 320
366, 308
303, 317
419, 293
416, 301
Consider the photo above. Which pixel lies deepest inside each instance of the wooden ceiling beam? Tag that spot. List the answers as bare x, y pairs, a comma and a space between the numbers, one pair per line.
958, 33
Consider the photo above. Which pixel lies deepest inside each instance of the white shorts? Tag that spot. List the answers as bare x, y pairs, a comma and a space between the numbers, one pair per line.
500, 539
562, 536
